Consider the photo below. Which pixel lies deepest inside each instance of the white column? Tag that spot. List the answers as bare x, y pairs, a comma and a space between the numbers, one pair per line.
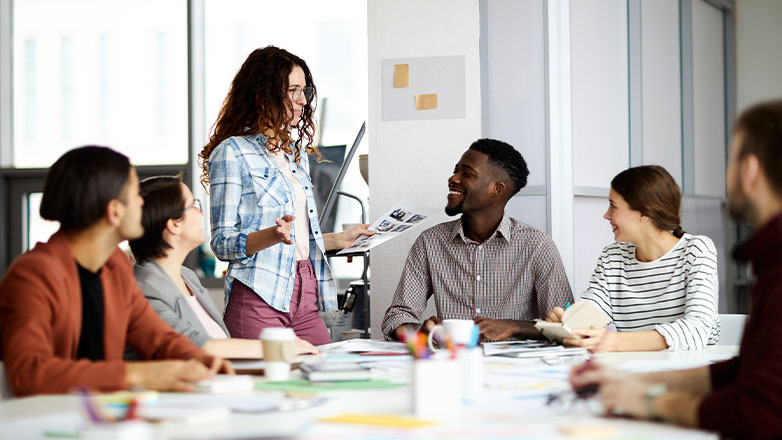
559, 130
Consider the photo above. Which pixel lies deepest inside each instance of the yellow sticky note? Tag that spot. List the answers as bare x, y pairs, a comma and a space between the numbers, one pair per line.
589, 431
426, 102
401, 75
381, 420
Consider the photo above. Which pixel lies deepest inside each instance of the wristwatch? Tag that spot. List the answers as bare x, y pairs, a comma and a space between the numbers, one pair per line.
651, 392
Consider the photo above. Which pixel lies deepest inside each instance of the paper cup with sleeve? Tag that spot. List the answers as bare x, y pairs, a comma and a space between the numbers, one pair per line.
279, 352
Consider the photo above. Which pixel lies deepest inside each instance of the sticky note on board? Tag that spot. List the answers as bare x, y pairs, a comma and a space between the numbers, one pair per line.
401, 75
426, 102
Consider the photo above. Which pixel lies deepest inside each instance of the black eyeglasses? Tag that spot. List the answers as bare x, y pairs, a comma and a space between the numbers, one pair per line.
309, 93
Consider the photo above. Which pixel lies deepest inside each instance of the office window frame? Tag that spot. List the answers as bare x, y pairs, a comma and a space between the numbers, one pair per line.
17, 183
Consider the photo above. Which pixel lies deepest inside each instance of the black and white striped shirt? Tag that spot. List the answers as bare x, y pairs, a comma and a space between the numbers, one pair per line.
675, 294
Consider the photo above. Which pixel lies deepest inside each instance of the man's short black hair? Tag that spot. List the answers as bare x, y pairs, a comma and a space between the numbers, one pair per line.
163, 200
80, 185
505, 157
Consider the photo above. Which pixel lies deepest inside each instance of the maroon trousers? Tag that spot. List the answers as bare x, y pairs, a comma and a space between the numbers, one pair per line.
247, 313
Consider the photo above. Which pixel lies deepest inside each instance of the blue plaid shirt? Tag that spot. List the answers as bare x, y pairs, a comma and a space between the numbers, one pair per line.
248, 192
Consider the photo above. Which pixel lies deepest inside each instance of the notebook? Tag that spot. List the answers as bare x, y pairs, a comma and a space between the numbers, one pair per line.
582, 314
335, 372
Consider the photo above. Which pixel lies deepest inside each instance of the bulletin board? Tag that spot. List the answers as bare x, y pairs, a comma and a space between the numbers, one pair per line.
424, 88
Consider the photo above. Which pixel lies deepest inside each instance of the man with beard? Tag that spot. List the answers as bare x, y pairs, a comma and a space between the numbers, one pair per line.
485, 265
740, 397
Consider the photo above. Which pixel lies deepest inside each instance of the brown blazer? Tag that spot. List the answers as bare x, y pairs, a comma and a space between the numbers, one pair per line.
40, 323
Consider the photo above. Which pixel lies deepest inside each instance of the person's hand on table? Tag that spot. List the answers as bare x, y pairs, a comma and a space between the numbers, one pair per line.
429, 324
555, 315
593, 340
283, 228
497, 329
305, 347
216, 364
622, 393
174, 375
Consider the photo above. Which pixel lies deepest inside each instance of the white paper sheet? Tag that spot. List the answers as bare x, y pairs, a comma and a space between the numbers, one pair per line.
363, 345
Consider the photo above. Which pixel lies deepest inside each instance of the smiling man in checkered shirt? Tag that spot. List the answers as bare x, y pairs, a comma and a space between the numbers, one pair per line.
484, 265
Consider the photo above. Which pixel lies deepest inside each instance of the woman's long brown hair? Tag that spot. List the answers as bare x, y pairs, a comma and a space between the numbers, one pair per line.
258, 103
650, 190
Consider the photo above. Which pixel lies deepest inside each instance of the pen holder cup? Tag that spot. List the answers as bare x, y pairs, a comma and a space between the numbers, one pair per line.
472, 372
437, 388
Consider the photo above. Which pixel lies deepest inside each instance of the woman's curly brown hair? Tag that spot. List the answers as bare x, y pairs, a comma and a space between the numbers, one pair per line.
258, 103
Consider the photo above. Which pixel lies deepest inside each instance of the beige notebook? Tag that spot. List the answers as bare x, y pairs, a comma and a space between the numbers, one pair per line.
583, 314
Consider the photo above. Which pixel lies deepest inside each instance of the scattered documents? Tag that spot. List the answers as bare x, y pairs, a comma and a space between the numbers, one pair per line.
364, 345
226, 383
505, 347
336, 372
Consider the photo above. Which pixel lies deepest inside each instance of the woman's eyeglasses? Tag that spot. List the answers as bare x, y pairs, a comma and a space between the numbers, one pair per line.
196, 205
296, 92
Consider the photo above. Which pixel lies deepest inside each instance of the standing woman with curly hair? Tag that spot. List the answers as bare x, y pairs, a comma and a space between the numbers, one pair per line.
263, 214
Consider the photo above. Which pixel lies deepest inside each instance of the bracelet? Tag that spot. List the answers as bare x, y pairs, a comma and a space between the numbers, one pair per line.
653, 391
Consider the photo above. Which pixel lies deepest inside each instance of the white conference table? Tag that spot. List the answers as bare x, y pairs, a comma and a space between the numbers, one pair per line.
512, 405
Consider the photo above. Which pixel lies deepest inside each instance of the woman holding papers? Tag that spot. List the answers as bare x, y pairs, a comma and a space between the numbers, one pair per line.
263, 214
657, 283
172, 228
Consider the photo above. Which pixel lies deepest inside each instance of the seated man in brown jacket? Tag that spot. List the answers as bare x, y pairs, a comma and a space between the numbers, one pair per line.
69, 306
740, 397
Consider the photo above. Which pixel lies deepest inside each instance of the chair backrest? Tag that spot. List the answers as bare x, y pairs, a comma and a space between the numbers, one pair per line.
732, 328
5, 386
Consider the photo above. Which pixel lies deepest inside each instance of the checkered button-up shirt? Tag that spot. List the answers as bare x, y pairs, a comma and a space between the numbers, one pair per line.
248, 192
515, 274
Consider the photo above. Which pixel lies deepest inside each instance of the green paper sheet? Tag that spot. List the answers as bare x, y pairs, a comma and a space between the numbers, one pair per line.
303, 385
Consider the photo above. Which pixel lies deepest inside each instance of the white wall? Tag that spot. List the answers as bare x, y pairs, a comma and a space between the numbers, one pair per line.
414, 159
661, 81
708, 100
601, 130
514, 79
599, 90
758, 55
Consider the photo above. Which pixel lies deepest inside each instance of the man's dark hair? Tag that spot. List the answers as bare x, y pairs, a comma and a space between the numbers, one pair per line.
761, 130
163, 200
80, 185
506, 158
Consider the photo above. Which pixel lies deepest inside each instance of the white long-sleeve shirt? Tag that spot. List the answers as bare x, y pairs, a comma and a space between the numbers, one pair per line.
675, 294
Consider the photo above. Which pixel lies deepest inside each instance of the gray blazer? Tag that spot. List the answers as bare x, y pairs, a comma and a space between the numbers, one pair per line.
166, 299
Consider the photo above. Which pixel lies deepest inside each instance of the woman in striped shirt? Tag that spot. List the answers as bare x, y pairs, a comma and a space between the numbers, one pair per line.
657, 283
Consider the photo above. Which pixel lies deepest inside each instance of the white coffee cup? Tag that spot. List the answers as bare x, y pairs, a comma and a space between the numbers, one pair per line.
279, 352
460, 331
